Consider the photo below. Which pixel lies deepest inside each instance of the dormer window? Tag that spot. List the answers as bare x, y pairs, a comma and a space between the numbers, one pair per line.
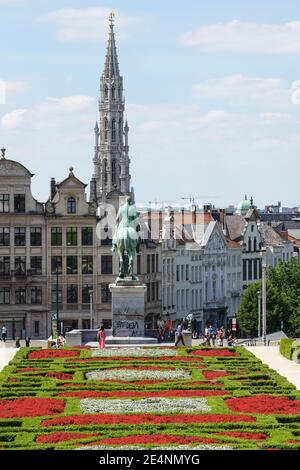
71, 205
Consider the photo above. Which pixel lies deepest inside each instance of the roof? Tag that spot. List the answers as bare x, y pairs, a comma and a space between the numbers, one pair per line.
9, 166
232, 244
270, 236
235, 225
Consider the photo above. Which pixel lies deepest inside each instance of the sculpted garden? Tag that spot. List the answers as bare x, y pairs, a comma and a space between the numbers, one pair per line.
151, 398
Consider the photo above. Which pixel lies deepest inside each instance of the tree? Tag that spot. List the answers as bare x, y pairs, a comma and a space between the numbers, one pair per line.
286, 278
277, 310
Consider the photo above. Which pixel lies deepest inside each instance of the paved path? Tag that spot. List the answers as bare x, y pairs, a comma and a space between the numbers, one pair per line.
6, 354
271, 356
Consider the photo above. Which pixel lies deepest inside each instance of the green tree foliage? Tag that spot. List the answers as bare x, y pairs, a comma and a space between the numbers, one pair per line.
277, 310
286, 279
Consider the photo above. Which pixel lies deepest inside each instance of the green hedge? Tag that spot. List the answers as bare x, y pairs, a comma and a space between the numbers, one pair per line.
286, 348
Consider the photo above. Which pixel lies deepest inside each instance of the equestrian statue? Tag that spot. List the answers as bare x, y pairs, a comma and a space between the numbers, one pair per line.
126, 239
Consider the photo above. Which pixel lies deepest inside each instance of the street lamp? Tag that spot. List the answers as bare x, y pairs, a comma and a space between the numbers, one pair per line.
264, 303
91, 308
259, 313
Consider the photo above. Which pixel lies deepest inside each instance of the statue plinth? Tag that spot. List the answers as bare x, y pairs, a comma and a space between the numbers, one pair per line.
128, 307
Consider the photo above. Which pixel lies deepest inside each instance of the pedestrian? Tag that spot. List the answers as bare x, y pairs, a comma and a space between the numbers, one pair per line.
101, 337
207, 336
178, 334
18, 344
27, 342
169, 327
4, 333
61, 341
160, 328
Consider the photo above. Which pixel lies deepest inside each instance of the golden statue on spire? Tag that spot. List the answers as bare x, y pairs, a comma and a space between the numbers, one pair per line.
112, 18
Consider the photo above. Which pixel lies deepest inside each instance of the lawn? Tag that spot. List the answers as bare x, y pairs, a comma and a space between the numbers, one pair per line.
153, 398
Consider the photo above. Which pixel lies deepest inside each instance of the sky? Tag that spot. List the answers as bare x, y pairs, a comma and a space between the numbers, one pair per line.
212, 94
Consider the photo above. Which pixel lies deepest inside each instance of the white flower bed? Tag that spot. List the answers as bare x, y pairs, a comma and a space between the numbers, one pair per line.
145, 405
134, 352
129, 375
183, 447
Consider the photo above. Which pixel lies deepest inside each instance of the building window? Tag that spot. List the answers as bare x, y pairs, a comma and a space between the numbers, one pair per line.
87, 265
56, 263
186, 272
36, 328
157, 263
4, 203
56, 236
106, 92
4, 265
255, 269
105, 294
113, 172
244, 270
20, 236
148, 293
20, 265
72, 294
72, 236
54, 291
113, 130
4, 295
71, 205
35, 236
36, 295
153, 263
106, 264
148, 263
72, 265
36, 265
20, 296
249, 244
20, 203
4, 236
177, 274
86, 298
250, 269
153, 290
105, 129
139, 264
87, 236
255, 244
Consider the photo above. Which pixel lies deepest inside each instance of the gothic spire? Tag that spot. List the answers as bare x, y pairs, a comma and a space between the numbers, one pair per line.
111, 68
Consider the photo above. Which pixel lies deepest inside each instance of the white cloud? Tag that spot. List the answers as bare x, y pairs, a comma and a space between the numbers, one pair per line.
86, 24
272, 118
53, 113
245, 89
246, 37
14, 87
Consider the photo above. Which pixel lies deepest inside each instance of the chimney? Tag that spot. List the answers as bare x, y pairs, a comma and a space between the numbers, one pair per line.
52, 188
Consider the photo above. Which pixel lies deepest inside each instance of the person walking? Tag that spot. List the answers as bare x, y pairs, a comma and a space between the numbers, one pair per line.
169, 327
18, 344
101, 337
178, 334
4, 333
27, 342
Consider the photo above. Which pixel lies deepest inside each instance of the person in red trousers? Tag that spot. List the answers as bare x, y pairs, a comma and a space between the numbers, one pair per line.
101, 337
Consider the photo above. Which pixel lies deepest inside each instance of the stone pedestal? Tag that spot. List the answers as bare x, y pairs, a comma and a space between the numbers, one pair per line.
128, 308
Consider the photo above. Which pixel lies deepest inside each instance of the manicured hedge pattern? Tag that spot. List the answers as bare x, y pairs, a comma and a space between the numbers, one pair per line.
248, 406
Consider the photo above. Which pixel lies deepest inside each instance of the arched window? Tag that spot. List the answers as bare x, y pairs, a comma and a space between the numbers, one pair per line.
120, 91
105, 170
105, 129
106, 92
249, 244
113, 130
113, 92
120, 129
71, 205
113, 171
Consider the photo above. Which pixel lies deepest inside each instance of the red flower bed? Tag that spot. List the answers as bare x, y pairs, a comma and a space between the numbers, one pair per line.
158, 439
141, 359
214, 352
27, 407
60, 375
211, 374
52, 354
133, 394
264, 404
291, 441
146, 418
56, 437
27, 369
71, 385
244, 435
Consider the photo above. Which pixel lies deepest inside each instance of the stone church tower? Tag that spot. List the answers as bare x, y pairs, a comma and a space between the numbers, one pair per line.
111, 160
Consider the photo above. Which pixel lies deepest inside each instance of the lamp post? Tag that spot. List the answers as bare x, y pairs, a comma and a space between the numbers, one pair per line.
91, 308
57, 303
264, 303
259, 313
